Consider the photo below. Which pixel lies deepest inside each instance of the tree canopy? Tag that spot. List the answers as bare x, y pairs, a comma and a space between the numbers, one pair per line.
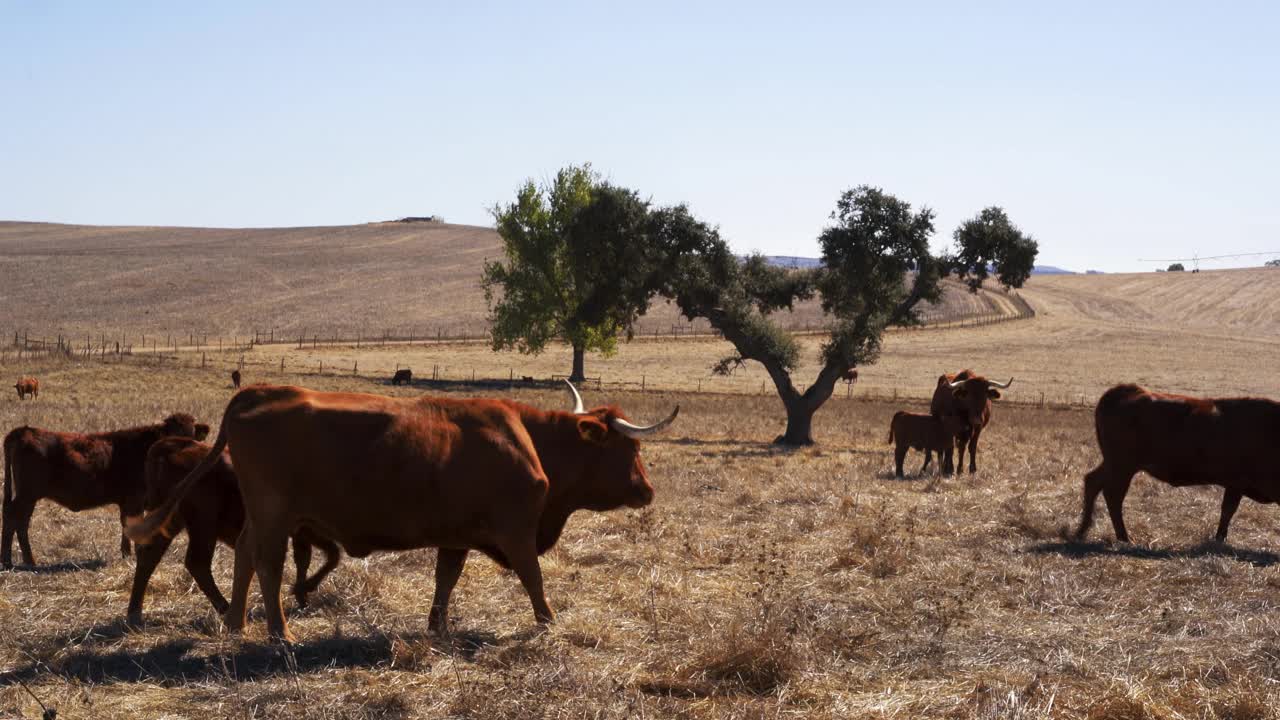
581, 259
876, 269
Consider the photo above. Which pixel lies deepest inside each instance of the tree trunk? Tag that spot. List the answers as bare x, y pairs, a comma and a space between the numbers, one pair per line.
799, 424
579, 355
801, 408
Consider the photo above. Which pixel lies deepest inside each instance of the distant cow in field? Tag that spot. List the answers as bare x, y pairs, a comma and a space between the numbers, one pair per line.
385, 473
212, 511
79, 472
920, 431
235, 379
403, 376
967, 396
850, 376
27, 386
1183, 441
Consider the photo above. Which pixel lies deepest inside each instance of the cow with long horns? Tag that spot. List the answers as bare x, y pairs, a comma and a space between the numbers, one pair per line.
966, 397
382, 473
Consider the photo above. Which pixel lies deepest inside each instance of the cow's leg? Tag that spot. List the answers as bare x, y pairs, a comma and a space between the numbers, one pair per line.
1093, 483
22, 524
126, 548
1230, 502
237, 610
899, 456
973, 450
268, 560
523, 556
8, 526
1114, 492
301, 564
449, 563
302, 588
149, 556
961, 440
928, 456
201, 544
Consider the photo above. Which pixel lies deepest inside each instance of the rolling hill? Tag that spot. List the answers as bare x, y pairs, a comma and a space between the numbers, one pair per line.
389, 276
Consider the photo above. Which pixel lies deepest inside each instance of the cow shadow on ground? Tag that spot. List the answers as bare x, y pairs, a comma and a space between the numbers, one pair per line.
102, 661
1079, 550
65, 566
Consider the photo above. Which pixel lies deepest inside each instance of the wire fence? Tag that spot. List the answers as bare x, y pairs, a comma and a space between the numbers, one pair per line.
103, 343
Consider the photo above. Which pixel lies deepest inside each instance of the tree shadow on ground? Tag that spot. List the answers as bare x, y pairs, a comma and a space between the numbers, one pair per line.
1078, 550
173, 662
65, 566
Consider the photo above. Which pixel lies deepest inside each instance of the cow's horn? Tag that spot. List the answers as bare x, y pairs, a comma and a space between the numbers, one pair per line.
956, 384
578, 408
636, 431
1004, 386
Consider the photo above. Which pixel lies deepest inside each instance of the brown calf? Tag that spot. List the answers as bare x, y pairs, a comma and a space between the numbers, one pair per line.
213, 511
27, 386
403, 376
922, 432
79, 472
235, 379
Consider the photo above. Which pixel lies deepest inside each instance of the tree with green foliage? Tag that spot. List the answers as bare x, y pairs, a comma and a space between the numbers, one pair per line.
876, 269
1176, 267
582, 258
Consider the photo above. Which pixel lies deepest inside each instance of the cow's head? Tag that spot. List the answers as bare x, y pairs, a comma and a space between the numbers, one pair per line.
615, 474
974, 395
184, 425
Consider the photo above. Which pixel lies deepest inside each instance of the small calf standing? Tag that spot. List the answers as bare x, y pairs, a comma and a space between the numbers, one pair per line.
27, 386
403, 376
212, 512
235, 379
922, 432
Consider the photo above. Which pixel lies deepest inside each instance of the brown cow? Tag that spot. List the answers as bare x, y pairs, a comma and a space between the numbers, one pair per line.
211, 512
383, 473
922, 432
968, 396
403, 376
1182, 441
28, 386
79, 472
235, 379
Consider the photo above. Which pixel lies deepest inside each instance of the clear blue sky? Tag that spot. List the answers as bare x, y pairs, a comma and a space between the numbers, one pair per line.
1110, 131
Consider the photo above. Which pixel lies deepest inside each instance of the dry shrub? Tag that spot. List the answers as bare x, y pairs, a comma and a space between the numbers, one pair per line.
879, 543
1243, 708
753, 659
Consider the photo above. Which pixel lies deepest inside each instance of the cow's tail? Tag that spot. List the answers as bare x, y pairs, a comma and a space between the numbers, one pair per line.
10, 475
893, 422
9, 491
157, 521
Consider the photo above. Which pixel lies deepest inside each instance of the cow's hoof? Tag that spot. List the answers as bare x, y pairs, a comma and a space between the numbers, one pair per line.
133, 620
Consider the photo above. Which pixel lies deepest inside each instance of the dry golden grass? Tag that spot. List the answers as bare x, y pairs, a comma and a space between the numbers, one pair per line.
761, 583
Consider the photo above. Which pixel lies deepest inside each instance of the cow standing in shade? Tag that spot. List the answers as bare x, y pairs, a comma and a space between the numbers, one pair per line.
382, 473
403, 376
79, 472
235, 379
1183, 441
966, 396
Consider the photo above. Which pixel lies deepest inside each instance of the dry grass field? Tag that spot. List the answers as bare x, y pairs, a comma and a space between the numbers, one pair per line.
419, 278
761, 583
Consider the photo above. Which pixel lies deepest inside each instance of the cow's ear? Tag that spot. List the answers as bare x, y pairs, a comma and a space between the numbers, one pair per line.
993, 393
202, 431
592, 429
961, 392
